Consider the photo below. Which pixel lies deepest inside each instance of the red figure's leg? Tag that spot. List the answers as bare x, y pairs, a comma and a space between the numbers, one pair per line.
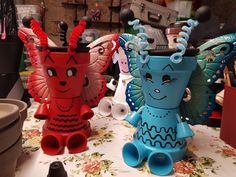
52, 144
76, 142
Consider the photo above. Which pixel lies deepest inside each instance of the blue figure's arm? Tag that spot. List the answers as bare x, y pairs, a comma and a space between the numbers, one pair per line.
183, 129
134, 117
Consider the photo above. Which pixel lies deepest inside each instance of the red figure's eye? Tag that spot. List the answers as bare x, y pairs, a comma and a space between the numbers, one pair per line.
71, 72
51, 72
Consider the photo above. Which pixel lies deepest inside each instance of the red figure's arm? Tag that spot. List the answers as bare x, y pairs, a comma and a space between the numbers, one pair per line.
86, 112
42, 112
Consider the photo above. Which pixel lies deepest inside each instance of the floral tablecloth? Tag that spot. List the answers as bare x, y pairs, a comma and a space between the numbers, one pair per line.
207, 154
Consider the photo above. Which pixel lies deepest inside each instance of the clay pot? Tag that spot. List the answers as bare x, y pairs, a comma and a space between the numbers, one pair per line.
8, 114
8, 159
10, 125
12, 115
21, 105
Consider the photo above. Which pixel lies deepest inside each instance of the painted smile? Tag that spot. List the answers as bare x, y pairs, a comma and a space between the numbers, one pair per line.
63, 91
124, 71
157, 98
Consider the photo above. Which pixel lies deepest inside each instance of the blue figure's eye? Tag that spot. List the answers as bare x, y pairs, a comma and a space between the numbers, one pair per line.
148, 77
166, 79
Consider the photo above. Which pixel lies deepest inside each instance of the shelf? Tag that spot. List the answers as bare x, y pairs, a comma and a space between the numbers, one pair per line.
105, 24
115, 8
78, 5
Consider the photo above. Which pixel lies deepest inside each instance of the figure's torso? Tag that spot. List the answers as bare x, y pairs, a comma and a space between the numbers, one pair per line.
157, 129
65, 116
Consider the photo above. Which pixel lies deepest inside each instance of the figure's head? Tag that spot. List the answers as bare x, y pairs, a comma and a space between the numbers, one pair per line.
164, 82
64, 68
122, 61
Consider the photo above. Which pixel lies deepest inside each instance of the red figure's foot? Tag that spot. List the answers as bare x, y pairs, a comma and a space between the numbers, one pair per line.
76, 143
52, 144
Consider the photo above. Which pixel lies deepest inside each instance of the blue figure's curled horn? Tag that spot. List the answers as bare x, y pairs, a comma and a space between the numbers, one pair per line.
202, 14
183, 41
143, 43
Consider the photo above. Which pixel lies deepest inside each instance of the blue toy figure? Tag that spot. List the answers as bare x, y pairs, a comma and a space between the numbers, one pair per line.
157, 89
160, 135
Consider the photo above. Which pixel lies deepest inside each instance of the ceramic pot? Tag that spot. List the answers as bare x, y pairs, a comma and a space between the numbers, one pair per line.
21, 105
156, 138
12, 115
8, 114
10, 125
8, 159
161, 70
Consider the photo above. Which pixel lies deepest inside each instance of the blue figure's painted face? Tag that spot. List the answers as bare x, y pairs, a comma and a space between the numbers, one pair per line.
157, 85
163, 82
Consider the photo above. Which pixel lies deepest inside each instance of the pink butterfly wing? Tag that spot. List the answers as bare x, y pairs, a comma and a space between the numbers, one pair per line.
30, 41
101, 52
36, 81
37, 86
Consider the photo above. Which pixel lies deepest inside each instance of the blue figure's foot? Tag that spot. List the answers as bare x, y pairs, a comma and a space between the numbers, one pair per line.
183, 130
160, 163
133, 154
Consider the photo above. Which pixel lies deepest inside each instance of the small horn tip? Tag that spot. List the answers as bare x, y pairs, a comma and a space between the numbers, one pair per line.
26, 21
88, 21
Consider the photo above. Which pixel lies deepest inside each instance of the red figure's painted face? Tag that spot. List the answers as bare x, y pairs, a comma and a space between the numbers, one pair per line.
64, 73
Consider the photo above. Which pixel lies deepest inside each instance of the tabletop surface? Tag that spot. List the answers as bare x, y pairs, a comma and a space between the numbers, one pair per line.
207, 154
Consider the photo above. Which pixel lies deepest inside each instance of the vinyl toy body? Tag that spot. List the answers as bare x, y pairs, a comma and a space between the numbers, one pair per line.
67, 115
160, 135
66, 82
124, 77
117, 106
161, 110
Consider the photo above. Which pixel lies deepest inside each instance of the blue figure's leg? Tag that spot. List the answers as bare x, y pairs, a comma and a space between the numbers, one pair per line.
134, 153
160, 163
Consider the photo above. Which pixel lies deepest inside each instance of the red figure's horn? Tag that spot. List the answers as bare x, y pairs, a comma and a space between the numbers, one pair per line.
75, 34
43, 38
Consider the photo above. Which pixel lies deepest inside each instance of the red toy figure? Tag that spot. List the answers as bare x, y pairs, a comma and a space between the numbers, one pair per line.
61, 83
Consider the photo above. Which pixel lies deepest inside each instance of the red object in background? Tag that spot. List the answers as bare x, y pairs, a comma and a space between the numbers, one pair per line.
216, 114
228, 122
215, 118
67, 81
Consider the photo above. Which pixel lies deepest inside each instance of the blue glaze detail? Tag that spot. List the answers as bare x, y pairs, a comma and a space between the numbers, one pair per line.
143, 44
160, 135
183, 41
